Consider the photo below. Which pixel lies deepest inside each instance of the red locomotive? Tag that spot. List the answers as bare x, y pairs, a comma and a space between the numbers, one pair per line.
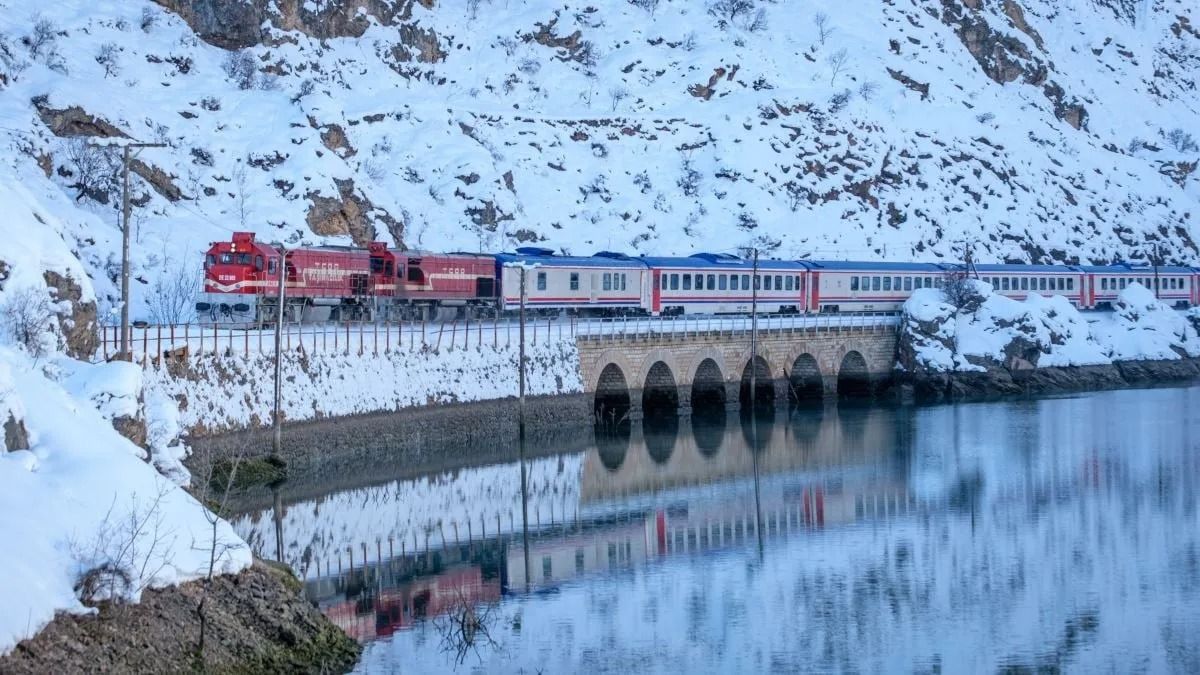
241, 283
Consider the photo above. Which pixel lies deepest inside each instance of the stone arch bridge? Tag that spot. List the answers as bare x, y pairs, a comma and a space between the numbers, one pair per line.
681, 369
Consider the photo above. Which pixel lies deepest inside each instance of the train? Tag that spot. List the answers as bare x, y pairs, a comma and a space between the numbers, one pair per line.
242, 282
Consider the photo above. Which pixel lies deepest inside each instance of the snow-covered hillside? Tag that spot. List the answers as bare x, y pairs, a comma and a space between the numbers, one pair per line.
1043, 129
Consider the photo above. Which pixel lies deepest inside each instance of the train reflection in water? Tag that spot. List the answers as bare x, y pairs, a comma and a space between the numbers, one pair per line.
648, 491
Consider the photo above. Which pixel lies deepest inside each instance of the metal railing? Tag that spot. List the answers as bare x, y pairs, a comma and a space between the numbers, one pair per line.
176, 341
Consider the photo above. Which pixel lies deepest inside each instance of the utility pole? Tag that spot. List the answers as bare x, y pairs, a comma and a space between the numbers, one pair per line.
969, 259
126, 208
521, 435
277, 441
754, 331
1157, 259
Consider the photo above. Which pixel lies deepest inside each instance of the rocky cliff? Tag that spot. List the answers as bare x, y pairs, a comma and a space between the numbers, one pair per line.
1044, 131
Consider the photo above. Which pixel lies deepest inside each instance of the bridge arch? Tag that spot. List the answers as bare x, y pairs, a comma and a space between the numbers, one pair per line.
764, 386
611, 403
708, 385
660, 393
854, 378
805, 382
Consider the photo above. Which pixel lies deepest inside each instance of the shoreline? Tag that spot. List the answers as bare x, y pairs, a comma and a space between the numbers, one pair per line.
258, 622
952, 387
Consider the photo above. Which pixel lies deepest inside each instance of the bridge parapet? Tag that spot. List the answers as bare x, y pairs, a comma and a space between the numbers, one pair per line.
796, 361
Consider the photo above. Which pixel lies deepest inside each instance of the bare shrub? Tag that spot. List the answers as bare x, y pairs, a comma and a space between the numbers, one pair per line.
960, 291
43, 39
149, 19
173, 296
125, 554
840, 100
867, 91
648, 5
240, 67
307, 87
466, 627
1181, 140
27, 319
730, 10
109, 58
210, 103
689, 179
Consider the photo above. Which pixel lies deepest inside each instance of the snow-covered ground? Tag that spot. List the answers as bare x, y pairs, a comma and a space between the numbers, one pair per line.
82, 497
237, 391
1140, 328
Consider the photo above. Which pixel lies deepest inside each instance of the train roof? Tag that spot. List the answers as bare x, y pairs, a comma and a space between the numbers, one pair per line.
1021, 267
880, 266
539, 256
1135, 268
723, 261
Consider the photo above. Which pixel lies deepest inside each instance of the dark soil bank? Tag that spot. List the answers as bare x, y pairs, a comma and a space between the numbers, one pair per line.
415, 441
998, 381
258, 622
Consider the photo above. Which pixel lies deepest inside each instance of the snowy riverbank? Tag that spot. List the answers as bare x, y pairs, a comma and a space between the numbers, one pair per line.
996, 345
219, 392
85, 517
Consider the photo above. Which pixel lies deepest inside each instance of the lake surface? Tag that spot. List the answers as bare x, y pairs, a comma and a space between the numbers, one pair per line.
1051, 534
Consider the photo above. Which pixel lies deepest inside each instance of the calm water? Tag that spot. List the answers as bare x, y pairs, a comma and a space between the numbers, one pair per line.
1057, 534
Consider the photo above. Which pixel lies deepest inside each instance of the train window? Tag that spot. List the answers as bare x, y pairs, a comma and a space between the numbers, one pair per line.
674, 282
722, 281
733, 282
243, 258
779, 282
376, 265
799, 283
916, 283
711, 283
928, 282
226, 258
608, 281
1071, 284
624, 277
908, 283
387, 268
699, 282
874, 283
541, 281
1103, 283
258, 263
853, 284
887, 283
1042, 284
687, 282
1123, 282
210, 260
745, 282
896, 283
271, 265
1062, 284
414, 274
663, 281
757, 282
574, 281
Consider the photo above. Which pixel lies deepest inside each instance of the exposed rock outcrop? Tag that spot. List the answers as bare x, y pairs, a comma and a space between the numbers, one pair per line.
78, 323
235, 25
75, 121
15, 435
350, 213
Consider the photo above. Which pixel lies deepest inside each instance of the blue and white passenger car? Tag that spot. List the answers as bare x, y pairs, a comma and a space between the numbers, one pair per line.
718, 283
605, 284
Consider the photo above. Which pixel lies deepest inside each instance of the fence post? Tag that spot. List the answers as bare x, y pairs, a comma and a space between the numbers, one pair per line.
360, 338
145, 344
246, 342
347, 338
187, 329
441, 327
453, 334
159, 341
387, 337
375, 336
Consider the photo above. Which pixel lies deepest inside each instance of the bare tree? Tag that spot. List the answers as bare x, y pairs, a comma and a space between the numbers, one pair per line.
27, 319
212, 482
93, 170
617, 94
43, 38
836, 62
173, 296
648, 5
242, 196
960, 290
240, 67
824, 30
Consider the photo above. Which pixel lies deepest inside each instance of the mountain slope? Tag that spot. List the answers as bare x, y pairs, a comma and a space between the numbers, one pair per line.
1041, 131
